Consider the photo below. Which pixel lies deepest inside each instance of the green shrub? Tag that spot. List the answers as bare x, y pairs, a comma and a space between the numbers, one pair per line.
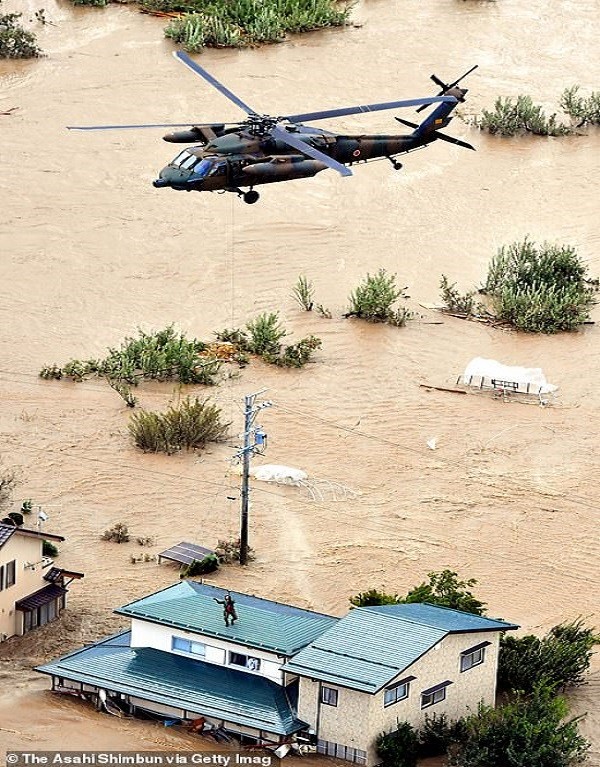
586, 110
529, 731
239, 23
438, 734
296, 355
303, 293
374, 597
164, 355
523, 116
49, 549
541, 289
265, 334
15, 41
561, 657
16, 517
27, 506
200, 567
189, 426
374, 300
455, 301
398, 748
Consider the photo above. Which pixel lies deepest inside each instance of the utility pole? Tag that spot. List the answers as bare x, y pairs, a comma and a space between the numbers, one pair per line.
255, 441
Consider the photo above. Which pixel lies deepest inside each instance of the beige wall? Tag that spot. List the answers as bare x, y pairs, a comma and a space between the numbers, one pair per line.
360, 717
23, 549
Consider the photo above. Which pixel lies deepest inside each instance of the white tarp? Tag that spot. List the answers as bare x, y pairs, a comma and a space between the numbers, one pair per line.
490, 369
272, 472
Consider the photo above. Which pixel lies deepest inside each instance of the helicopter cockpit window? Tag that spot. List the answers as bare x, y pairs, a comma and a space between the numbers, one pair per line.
189, 162
180, 158
203, 168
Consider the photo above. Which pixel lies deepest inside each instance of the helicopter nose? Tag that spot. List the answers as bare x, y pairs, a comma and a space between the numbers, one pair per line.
159, 183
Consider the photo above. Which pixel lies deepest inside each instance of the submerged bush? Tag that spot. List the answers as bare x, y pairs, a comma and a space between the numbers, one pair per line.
163, 355
584, 109
264, 339
511, 118
209, 564
189, 425
541, 289
460, 303
374, 300
238, 23
15, 41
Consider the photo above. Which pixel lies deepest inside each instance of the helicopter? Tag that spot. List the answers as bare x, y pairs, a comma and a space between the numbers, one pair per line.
262, 149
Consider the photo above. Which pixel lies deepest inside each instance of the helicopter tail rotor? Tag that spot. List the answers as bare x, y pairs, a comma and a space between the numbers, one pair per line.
445, 87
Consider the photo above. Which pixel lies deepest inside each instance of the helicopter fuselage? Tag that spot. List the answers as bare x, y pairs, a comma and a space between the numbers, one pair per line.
235, 159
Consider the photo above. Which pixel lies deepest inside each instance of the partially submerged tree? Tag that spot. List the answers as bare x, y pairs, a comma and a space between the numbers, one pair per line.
560, 658
537, 288
15, 41
443, 588
541, 288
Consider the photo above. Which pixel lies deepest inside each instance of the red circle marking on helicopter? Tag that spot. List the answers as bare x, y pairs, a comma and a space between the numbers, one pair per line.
356, 153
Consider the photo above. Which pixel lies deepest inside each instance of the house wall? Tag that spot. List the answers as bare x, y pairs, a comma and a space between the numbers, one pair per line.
23, 549
360, 717
145, 634
345, 724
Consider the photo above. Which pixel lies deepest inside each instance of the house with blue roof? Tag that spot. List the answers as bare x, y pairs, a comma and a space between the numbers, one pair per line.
279, 673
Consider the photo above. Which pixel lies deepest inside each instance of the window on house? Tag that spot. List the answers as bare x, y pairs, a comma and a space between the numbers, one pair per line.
246, 661
1, 577
397, 691
434, 694
329, 696
474, 656
11, 573
186, 645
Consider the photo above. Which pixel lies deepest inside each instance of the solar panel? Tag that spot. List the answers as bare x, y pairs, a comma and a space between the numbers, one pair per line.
185, 553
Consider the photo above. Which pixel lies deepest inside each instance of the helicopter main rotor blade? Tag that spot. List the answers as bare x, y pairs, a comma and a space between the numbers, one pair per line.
369, 108
125, 127
185, 59
309, 150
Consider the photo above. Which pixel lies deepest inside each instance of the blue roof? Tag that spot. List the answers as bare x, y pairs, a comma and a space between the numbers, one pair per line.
184, 683
261, 623
370, 646
452, 621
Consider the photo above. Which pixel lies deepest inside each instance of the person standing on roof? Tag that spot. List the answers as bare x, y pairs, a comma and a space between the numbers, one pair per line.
229, 613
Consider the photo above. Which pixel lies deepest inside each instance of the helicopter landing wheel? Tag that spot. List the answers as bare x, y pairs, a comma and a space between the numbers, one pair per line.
251, 197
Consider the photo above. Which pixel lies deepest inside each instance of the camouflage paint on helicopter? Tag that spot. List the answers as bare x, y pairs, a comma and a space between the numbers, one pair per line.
263, 149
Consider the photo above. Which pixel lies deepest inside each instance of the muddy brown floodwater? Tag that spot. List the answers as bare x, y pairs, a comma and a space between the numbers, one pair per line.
90, 251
